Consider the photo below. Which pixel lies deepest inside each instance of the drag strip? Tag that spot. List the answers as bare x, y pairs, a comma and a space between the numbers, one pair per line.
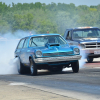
66, 93
83, 85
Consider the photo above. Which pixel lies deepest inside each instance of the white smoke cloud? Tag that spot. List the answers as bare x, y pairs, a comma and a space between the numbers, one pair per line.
8, 43
6, 57
82, 60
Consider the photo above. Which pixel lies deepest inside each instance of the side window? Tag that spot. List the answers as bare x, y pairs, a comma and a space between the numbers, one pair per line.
68, 35
98, 33
26, 43
65, 34
20, 45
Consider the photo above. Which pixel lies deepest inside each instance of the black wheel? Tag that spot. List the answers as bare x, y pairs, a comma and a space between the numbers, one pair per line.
33, 67
90, 60
20, 67
75, 67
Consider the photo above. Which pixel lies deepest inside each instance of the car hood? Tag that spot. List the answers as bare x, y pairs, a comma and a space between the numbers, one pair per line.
87, 40
55, 49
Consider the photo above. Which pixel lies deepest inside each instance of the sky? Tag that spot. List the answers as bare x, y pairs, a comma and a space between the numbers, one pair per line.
76, 2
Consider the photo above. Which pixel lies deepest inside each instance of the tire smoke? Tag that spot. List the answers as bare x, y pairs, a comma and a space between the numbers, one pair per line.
7, 62
82, 60
8, 43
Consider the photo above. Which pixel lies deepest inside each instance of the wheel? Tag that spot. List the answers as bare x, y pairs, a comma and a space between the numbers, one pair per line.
90, 60
33, 67
75, 67
20, 67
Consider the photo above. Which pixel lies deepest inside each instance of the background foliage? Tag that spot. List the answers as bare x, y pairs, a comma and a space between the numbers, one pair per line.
55, 18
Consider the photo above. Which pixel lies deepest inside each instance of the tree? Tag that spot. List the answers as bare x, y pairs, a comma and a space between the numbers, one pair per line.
23, 22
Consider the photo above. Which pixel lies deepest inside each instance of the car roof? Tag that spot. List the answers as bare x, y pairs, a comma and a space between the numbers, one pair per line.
82, 28
35, 35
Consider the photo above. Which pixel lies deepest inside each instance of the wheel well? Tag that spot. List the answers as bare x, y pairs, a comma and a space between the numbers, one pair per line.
30, 57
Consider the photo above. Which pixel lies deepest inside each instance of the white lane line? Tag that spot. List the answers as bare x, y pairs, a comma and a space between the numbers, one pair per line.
17, 83
97, 67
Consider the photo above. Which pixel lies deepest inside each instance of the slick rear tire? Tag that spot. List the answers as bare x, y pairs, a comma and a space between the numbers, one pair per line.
75, 67
90, 60
20, 67
33, 68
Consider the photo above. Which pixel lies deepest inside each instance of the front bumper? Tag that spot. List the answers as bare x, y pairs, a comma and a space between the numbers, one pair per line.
57, 59
93, 52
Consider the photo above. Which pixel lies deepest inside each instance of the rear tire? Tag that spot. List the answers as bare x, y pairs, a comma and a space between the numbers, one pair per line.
33, 67
20, 67
90, 60
75, 67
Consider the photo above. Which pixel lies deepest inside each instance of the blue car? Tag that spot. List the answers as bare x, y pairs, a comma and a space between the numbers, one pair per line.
46, 51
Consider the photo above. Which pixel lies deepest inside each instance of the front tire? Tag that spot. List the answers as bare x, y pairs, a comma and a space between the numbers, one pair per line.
33, 67
75, 67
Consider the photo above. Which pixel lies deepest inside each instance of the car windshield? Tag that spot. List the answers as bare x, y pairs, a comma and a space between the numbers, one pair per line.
43, 40
86, 33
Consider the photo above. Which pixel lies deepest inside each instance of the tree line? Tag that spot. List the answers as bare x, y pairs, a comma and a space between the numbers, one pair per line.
55, 18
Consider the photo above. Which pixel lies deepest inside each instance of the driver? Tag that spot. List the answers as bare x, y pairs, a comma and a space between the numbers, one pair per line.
51, 40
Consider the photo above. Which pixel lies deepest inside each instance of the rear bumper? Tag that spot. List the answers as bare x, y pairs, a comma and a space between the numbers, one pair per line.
57, 59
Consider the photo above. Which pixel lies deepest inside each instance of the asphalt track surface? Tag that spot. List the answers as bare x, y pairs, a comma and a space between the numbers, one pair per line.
84, 85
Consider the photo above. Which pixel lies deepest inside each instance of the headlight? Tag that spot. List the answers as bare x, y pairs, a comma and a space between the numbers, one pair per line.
38, 53
76, 51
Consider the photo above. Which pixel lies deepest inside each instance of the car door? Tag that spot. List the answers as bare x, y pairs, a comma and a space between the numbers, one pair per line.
69, 38
19, 48
24, 52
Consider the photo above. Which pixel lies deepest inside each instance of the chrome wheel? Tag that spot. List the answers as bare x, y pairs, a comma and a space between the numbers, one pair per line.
33, 68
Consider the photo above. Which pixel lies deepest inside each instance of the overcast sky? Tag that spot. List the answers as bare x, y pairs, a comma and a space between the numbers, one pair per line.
76, 2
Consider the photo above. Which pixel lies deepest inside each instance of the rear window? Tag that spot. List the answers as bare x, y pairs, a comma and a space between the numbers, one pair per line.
20, 45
